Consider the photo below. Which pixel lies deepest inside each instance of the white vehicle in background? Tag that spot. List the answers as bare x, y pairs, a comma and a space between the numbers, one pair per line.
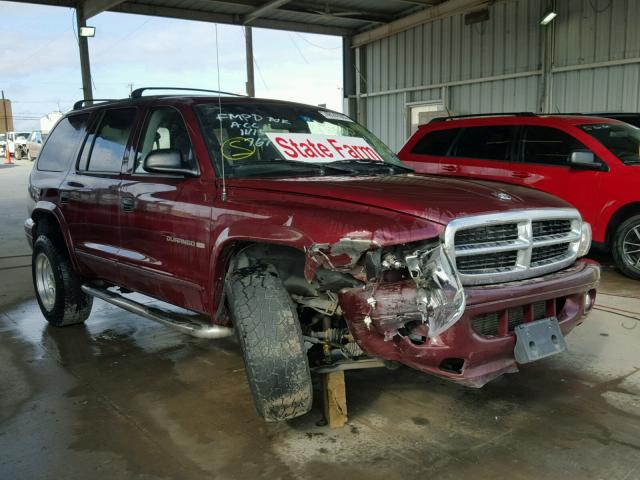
3, 143
34, 144
17, 143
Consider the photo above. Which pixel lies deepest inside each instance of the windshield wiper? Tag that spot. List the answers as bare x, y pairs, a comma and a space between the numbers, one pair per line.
359, 165
279, 167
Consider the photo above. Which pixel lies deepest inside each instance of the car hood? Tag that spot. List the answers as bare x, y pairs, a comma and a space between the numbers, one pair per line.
437, 199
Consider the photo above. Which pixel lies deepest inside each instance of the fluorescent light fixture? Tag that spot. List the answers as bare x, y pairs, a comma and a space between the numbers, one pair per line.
549, 16
87, 31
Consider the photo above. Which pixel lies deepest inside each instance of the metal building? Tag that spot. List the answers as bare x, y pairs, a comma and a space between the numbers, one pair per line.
499, 58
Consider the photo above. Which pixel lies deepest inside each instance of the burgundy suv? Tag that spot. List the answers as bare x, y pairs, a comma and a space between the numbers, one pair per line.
297, 228
591, 162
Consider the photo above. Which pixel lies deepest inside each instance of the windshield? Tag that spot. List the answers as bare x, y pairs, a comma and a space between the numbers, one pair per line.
260, 139
22, 135
621, 139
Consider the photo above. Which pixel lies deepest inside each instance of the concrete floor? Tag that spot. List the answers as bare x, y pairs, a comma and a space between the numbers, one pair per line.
122, 397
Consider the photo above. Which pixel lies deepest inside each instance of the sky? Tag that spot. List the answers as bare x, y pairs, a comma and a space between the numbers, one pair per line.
40, 67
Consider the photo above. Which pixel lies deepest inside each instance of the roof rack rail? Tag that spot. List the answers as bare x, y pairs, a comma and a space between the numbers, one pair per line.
473, 115
137, 93
81, 103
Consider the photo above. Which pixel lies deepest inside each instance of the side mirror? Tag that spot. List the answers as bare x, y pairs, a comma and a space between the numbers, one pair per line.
169, 161
585, 160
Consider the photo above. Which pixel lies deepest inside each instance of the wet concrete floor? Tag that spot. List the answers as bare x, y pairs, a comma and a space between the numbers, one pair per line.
122, 397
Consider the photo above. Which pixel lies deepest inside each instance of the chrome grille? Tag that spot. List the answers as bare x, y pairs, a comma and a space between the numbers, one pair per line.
480, 263
550, 253
548, 228
490, 233
513, 245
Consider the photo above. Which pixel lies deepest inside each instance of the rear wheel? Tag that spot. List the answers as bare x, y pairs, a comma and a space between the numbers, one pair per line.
269, 333
58, 288
626, 247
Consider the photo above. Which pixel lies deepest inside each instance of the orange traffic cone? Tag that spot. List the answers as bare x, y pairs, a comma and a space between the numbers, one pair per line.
7, 161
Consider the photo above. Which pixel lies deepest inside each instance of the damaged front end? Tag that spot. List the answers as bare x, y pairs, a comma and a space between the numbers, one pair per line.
409, 290
422, 278
440, 295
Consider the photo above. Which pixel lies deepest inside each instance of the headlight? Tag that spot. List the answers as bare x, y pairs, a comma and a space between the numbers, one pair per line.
440, 296
585, 240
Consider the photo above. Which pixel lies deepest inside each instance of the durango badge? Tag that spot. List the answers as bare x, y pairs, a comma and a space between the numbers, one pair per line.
182, 241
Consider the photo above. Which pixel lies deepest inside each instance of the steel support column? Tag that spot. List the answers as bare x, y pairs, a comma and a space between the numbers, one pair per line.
251, 86
83, 46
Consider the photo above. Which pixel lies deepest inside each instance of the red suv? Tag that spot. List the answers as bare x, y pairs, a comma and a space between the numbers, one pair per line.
591, 162
299, 230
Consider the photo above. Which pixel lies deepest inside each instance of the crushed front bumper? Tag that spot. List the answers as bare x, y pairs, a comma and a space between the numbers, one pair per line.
469, 352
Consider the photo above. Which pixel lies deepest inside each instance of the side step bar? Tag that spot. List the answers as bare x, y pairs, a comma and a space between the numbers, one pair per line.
180, 322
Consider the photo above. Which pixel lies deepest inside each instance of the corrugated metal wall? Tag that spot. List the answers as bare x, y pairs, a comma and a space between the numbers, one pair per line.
497, 65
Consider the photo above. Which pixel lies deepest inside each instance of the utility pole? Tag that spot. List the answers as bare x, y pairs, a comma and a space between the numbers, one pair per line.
4, 113
83, 46
248, 36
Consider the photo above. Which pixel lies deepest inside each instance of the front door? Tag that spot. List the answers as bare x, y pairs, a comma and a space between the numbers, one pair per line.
166, 221
544, 165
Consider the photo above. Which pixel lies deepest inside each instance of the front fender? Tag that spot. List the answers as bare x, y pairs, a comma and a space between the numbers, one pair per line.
242, 233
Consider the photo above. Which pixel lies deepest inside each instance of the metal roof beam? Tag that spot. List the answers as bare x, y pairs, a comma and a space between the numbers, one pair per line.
202, 16
91, 8
442, 10
262, 9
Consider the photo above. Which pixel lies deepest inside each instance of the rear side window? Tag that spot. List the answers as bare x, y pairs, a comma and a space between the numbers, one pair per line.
110, 141
65, 139
548, 146
436, 143
486, 143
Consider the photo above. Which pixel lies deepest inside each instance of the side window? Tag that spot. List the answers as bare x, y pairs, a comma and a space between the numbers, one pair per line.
487, 143
110, 141
437, 142
548, 146
163, 130
64, 142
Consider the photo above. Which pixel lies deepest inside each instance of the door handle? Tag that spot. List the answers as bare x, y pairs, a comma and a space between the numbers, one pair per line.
127, 204
520, 174
64, 196
449, 168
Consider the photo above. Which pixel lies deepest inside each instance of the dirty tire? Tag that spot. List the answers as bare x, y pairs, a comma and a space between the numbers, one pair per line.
629, 230
269, 332
70, 304
18, 153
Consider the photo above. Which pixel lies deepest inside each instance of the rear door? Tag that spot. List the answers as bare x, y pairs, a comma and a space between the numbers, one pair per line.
426, 153
483, 152
90, 193
543, 154
165, 219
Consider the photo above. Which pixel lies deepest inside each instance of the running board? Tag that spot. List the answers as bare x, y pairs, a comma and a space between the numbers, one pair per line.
180, 322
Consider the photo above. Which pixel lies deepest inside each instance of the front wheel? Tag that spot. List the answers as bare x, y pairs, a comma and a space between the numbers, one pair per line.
18, 153
58, 288
270, 336
626, 247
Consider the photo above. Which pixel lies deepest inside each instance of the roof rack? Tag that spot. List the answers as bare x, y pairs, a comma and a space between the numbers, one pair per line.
81, 103
137, 93
473, 115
